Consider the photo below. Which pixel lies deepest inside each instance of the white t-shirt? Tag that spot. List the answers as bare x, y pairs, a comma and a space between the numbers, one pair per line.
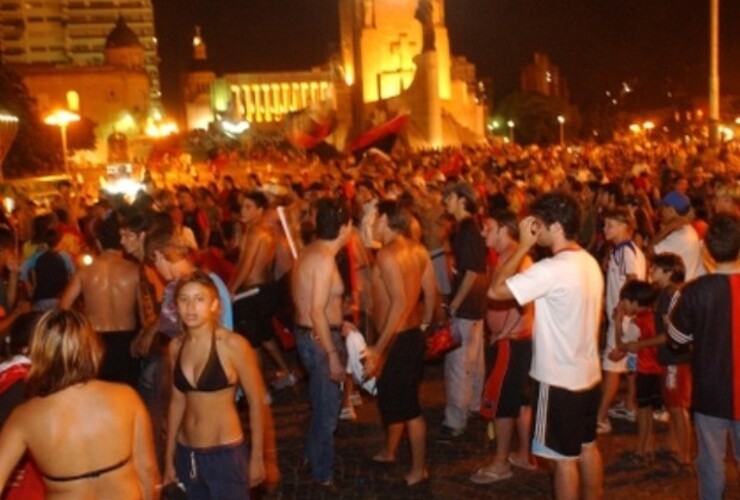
626, 259
568, 291
685, 243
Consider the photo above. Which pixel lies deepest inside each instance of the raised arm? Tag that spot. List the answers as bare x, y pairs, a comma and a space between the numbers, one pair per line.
528, 234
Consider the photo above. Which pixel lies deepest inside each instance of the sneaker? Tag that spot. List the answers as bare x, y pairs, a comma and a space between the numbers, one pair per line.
622, 413
447, 434
284, 381
604, 427
661, 416
348, 413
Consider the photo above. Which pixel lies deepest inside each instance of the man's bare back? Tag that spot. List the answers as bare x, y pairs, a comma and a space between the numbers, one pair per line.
109, 286
403, 269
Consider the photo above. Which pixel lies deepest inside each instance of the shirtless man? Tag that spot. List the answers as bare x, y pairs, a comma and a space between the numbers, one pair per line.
254, 271
109, 288
318, 292
403, 269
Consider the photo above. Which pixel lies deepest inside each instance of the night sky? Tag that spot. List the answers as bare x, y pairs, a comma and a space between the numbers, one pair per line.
656, 44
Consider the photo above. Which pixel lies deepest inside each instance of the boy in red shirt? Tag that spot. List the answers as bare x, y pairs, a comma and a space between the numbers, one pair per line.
636, 301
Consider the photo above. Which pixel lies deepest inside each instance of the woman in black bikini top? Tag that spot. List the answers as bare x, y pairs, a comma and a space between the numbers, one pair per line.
211, 379
69, 415
205, 441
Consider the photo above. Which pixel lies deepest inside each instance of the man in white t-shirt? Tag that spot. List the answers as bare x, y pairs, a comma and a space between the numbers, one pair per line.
567, 290
677, 236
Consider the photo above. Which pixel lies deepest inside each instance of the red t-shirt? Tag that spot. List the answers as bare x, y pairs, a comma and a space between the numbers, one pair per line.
647, 358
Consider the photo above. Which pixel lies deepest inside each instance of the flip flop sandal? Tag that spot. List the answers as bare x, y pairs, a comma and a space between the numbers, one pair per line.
483, 476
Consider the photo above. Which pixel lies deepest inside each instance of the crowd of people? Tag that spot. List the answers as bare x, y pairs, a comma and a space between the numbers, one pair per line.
564, 274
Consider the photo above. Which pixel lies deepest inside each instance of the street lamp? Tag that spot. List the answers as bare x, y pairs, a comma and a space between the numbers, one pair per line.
561, 121
62, 118
511, 125
648, 127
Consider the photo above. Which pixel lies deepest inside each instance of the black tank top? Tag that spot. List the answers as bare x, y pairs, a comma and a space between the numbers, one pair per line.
212, 378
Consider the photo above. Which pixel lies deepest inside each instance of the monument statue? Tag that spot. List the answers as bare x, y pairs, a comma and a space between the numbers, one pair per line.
425, 15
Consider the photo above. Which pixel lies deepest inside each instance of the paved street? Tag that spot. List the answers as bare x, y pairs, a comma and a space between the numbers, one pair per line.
450, 465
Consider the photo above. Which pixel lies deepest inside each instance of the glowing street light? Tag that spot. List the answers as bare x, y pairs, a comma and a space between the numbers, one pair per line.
62, 118
648, 127
511, 126
561, 121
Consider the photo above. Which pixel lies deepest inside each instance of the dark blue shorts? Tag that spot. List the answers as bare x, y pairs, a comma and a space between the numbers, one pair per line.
214, 473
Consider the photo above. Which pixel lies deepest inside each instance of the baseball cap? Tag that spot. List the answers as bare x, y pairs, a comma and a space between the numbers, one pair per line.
677, 201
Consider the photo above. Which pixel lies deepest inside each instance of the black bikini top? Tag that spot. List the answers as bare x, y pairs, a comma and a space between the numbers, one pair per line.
94, 474
212, 378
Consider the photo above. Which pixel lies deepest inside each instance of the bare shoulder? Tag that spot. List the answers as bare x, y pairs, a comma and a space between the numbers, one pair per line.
232, 341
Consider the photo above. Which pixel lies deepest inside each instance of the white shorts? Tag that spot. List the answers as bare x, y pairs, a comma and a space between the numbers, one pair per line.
617, 366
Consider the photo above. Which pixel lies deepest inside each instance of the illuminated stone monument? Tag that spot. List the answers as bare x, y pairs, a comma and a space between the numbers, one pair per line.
396, 57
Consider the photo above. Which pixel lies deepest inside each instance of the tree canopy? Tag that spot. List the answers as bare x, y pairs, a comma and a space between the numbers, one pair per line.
36, 149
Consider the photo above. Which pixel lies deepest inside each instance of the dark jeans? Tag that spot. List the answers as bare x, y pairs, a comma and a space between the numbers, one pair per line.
326, 400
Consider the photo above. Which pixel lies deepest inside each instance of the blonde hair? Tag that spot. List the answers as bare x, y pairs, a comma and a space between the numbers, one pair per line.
64, 350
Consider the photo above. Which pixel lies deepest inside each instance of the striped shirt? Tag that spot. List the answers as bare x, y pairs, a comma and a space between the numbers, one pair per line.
707, 313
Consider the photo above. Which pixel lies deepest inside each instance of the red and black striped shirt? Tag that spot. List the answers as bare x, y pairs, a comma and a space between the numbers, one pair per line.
707, 313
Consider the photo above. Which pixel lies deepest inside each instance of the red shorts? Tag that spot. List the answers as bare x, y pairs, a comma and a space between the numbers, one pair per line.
677, 386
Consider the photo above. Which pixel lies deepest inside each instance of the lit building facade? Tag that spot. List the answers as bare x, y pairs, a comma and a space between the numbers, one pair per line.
383, 68
74, 32
116, 94
258, 98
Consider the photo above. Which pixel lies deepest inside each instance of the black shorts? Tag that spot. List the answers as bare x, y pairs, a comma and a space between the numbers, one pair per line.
253, 315
564, 420
508, 386
118, 365
398, 384
649, 390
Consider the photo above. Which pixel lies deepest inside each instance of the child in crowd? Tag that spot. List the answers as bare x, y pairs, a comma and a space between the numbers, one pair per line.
667, 274
626, 263
637, 299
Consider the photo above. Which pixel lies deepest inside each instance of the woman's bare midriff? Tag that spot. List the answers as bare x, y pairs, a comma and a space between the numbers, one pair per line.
211, 419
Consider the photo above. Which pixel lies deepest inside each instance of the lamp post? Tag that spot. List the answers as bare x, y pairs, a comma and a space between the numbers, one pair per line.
511, 125
714, 138
561, 121
62, 118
